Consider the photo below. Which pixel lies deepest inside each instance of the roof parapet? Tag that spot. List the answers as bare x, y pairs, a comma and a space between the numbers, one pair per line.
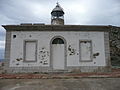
27, 24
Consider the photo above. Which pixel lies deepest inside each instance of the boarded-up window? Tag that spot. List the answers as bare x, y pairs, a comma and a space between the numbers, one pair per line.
85, 51
30, 51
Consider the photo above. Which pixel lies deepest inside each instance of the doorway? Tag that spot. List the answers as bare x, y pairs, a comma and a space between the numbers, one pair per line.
58, 53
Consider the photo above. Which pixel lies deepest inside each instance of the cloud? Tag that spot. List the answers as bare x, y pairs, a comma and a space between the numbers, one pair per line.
25, 11
94, 12
2, 49
87, 12
2, 53
2, 44
79, 11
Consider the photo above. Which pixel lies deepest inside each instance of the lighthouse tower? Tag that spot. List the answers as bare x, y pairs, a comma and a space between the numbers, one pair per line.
57, 15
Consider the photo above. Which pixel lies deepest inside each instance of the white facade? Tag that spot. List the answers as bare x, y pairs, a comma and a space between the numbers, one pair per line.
56, 47
42, 47
50, 48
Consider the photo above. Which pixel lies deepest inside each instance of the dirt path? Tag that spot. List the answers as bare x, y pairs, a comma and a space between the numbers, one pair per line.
61, 84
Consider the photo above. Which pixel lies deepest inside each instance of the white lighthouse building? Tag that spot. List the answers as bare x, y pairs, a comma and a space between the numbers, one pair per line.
57, 47
57, 15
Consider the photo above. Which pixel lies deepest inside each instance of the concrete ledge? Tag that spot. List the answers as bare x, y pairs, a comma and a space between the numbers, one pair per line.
56, 28
60, 76
78, 69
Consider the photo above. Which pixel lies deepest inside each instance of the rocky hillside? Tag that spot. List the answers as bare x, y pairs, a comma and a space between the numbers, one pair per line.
115, 45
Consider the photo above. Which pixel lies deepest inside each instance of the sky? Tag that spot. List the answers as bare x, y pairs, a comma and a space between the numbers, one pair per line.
77, 12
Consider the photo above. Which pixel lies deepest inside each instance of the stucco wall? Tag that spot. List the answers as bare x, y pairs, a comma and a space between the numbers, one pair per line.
44, 38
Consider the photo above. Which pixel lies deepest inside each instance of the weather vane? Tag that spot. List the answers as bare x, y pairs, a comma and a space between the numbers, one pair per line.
57, 3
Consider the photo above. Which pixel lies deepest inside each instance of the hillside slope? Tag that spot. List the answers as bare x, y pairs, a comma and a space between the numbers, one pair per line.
115, 45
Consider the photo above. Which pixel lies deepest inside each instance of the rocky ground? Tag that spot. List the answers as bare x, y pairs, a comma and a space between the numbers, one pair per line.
61, 84
61, 81
115, 45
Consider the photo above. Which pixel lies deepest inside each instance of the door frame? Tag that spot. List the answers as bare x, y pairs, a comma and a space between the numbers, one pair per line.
65, 51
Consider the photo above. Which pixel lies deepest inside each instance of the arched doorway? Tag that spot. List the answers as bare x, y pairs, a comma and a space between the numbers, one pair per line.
58, 53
